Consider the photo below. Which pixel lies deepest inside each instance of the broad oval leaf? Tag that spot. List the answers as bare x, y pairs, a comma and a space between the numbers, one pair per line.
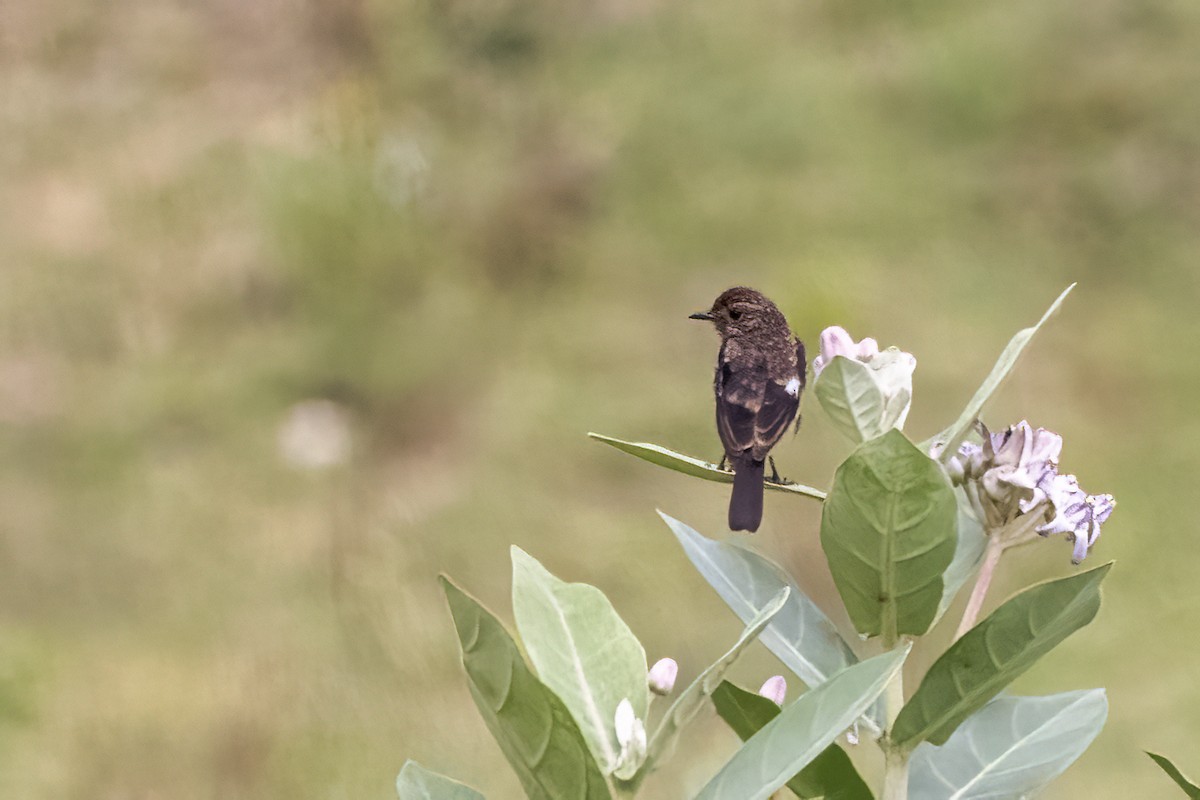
993, 653
946, 443
1011, 747
695, 467
534, 729
802, 731
582, 650
888, 529
1189, 788
691, 699
866, 400
800, 636
830, 775
417, 783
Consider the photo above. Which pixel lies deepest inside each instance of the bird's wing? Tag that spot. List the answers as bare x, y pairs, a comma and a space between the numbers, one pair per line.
778, 410
739, 391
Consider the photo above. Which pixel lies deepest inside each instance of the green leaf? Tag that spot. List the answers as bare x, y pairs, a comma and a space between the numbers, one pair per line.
862, 399
830, 775
800, 636
802, 731
534, 729
888, 530
1011, 748
993, 653
694, 466
417, 783
1189, 788
946, 443
692, 699
968, 553
582, 650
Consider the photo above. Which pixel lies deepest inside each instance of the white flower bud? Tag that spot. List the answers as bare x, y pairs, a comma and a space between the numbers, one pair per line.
775, 689
662, 676
631, 736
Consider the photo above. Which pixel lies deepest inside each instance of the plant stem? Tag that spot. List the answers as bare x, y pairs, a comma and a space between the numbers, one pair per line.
895, 777
991, 557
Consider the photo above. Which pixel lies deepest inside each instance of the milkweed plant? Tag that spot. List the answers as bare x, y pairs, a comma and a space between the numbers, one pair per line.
905, 526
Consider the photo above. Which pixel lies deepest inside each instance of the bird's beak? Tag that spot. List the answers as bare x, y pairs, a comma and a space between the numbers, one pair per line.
704, 315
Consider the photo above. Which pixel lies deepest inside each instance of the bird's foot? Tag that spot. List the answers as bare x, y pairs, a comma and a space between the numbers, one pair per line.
775, 473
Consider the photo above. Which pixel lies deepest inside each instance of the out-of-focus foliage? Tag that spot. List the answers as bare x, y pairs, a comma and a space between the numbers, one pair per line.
477, 228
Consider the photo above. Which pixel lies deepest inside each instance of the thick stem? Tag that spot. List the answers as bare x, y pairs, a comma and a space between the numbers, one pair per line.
991, 557
895, 779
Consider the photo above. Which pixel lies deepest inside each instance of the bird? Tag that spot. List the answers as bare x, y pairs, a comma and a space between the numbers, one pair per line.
760, 374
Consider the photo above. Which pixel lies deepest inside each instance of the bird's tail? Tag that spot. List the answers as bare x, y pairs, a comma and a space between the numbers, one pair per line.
746, 504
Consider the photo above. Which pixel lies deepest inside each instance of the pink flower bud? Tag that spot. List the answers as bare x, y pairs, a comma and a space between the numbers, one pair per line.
662, 676
775, 689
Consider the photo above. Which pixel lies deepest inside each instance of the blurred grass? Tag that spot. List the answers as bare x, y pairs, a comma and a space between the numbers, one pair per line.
479, 227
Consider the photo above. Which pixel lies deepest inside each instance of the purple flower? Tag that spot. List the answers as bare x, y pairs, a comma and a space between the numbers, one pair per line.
1014, 474
1075, 513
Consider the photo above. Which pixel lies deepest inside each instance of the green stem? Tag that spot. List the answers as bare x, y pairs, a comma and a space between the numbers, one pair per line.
895, 777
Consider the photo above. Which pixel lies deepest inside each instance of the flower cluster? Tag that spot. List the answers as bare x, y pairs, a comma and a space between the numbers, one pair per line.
1013, 481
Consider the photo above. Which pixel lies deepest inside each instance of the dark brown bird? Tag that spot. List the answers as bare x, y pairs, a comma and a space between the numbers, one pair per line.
760, 374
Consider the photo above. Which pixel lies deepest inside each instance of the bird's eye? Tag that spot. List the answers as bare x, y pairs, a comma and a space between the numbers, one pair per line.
734, 314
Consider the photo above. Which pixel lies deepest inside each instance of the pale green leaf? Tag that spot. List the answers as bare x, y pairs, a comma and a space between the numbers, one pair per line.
1189, 788
532, 726
993, 653
830, 775
582, 650
866, 400
888, 529
692, 699
802, 731
695, 467
1011, 747
417, 783
800, 636
946, 443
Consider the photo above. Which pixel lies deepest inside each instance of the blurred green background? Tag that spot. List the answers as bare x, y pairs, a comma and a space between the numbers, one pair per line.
304, 301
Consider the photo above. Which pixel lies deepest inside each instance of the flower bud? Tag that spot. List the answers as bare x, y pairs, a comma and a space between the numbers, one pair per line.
662, 676
871, 392
631, 736
775, 689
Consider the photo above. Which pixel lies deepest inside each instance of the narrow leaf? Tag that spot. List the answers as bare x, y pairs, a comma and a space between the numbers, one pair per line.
800, 636
1011, 747
946, 443
1189, 788
888, 529
830, 775
993, 653
695, 467
692, 699
968, 553
582, 650
417, 783
788, 743
534, 729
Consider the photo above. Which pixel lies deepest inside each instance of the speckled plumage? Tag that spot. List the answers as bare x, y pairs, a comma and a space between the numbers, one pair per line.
760, 374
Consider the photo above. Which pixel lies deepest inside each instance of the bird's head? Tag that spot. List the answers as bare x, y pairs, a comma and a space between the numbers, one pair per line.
740, 310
